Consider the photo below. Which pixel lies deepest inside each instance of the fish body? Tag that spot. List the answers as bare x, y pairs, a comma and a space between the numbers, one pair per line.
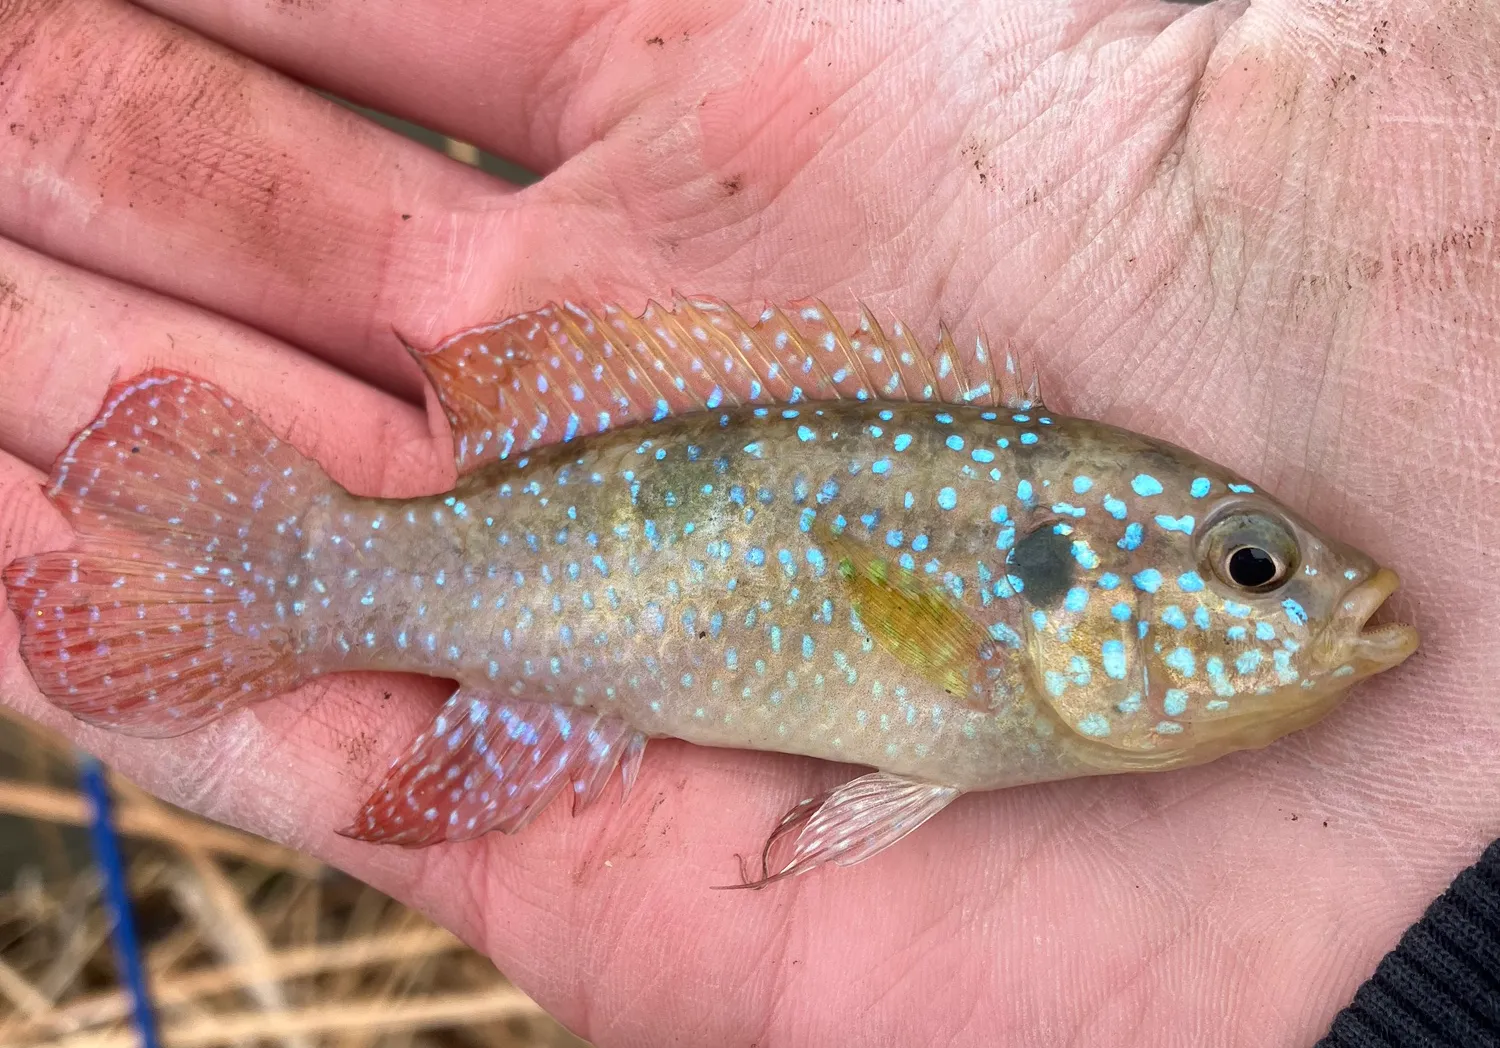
959, 590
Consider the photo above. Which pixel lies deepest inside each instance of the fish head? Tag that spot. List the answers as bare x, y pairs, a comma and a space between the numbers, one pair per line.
1184, 615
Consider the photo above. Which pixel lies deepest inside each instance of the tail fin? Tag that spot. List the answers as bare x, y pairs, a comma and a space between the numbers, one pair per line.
172, 607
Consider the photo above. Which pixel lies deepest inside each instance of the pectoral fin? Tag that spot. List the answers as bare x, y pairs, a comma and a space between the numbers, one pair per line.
922, 625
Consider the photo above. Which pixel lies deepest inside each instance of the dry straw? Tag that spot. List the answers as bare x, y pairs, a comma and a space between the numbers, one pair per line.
247, 943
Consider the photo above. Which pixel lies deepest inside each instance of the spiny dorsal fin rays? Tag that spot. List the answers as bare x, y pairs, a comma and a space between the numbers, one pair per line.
555, 373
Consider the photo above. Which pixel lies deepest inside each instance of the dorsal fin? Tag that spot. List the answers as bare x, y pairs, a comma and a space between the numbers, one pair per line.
558, 372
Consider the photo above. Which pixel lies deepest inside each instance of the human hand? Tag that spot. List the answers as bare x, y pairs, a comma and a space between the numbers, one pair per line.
1267, 234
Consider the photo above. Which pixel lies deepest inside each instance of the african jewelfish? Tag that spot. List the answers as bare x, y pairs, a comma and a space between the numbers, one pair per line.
775, 534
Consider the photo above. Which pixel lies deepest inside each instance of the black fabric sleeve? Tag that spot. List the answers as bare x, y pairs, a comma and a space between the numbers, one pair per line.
1440, 986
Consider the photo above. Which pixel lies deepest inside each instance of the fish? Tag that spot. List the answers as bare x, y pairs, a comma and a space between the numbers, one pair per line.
771, 533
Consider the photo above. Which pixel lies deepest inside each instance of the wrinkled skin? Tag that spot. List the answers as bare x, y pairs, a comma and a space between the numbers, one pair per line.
1266, 233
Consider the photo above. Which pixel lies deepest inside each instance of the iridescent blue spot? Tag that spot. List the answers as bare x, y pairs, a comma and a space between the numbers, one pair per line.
998, 514
661, 411
1114, 507
1174, 704
1218, 678
1113, 653
804, 433
894, 538
1294, 611
1109, 580
1265, 631
919, 543
1148, 580
755, 556
1039, 619
1242, 489
955, 442
944, 418
1020, 418
982, 455
947, 498
880, 465
1005, 635
807, 646
1167, 522
1067, 509
1024, 492
902, 441
1077, 599
1239, 611
1028, 437
1200, 618
1183, 661
1095, 725
1084, 555
1056, 683
907, 562
1120, 612
1200, 487
1235, 633
1134, 534
1146, 485
1189, 582
1172, 615
1083, 673
1247, 662
1284, 671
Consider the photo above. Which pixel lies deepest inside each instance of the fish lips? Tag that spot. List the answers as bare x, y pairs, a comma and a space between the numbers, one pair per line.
1351, 639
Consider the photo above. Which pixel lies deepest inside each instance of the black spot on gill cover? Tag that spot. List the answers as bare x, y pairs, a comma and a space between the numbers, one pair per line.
1044, 563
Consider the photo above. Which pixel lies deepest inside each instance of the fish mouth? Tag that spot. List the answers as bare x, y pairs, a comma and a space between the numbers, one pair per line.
1370, 647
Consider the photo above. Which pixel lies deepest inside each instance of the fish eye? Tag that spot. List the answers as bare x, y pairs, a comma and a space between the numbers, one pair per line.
1251, 551
1251, 567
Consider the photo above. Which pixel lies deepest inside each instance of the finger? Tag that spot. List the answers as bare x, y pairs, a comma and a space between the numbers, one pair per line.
500, 74
169, 162
67, 335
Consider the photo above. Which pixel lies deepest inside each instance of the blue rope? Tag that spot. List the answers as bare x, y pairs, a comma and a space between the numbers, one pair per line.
106, 844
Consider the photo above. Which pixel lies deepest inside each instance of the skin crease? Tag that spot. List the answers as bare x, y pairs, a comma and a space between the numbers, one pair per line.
1264, 231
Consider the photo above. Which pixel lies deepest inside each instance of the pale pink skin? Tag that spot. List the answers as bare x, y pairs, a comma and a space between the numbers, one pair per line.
1267, 234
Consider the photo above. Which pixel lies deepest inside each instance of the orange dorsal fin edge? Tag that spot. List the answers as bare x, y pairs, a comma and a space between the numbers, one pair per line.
562, 371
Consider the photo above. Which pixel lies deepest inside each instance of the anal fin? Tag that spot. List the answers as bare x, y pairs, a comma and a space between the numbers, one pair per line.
848, 825
488, 763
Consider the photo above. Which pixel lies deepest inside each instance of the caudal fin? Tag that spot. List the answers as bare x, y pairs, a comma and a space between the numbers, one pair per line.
174, 604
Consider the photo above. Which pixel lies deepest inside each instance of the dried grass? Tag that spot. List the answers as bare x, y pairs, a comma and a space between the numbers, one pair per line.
246, 942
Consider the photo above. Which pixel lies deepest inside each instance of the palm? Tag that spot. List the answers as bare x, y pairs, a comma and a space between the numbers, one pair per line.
1241, 235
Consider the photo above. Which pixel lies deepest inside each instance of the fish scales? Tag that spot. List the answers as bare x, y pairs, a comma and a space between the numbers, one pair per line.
679, 578
777, 535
